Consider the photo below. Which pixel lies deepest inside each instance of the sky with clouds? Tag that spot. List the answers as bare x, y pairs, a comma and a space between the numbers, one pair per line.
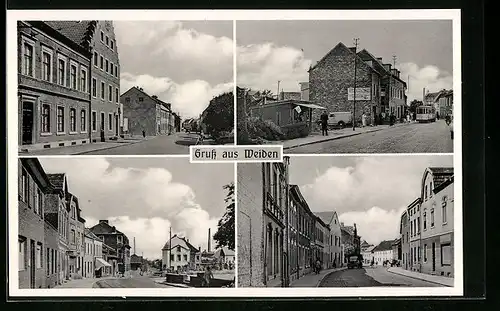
186, 63
272, 51
369, 191
143, 199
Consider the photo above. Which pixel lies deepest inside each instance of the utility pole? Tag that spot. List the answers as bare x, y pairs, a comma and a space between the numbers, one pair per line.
278, 95
169, 248
354, 99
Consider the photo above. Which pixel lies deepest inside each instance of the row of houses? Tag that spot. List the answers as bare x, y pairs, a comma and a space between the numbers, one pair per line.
442, 101
54, 245
379, 90
179, 255
279, 237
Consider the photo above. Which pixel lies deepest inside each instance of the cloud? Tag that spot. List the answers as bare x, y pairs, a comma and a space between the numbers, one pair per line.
429, 77
134, 33
261, 66
189, 98
142, 203
375, 224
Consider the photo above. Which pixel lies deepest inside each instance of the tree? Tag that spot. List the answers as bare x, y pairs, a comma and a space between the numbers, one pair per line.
225, 232
414, 104
219, 115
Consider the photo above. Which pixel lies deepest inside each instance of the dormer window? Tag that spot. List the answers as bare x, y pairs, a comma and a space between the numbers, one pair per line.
178, 249
73, 212
119, 239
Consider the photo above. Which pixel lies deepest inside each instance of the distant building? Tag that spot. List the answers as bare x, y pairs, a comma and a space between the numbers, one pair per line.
136, 262
368, 255
396, 250
350, 241
335, 237
320, 242
383, 252
110, 255
405, 239
290, 95
76, 242
304, 91
180, 255
415, 230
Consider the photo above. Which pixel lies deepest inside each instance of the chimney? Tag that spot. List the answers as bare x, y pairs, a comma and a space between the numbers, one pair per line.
209, 240
103, 221
155, 97
379, 59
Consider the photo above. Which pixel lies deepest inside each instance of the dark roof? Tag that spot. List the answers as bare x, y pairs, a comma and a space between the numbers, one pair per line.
326, 217
57, 180
384, 246
76, 31
441, 174
136, 259
321, 221
152, 97
191, 247
91, 235
341, 45
444, 184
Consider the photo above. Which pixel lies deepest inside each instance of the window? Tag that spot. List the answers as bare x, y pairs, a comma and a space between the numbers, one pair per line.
47, 266
411, 228
72, 76
112, 44
430, 189
432, 218
111, 69
61, 71
53, 255
94, 87
60, 119
101, 62
96, 56
141, 99
117, 95
425, 252
22, 253
178, 257
185, 257
83, 80
38, 202
102, 36
102, 90
72, 236
46, 65
443, 207
446, 254
425, 193
28, 49
107, 65
45, 118
418, 225
72, 120
425, 220
172, 258
83, 120
38, 257
116, 71
94, 121
119, 239
178, 249
107, 40
110, 122
110, 93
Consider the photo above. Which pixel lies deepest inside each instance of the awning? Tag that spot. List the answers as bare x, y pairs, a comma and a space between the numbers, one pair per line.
99, 263
312, 106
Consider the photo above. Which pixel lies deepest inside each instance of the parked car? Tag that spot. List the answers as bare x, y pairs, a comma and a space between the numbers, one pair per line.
355, 262
339, 119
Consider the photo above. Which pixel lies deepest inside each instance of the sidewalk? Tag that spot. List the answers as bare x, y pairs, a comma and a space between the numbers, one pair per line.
163, 282
442, 280
316, 137
81, 283
85, 148
312, 279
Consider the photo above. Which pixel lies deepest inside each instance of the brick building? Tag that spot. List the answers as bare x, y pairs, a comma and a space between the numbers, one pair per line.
334, 240
262, 204
331, 84
437, 238
300, 226
53, 77
33, 184
321, 245
76, 243
51, 238
116, 240
147, 113
414, 216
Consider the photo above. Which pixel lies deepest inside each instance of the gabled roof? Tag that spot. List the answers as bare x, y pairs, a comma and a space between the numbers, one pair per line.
369, 249
444, 184
295, 192
384, 246
326, 217
103, 228
57, 180
76, 31
151, 97
340, 45
91, 235
179, 241
439, 174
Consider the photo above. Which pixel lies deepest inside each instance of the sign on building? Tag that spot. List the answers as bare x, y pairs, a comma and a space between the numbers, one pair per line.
362, 93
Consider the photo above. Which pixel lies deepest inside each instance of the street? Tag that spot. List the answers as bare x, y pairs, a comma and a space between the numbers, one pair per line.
369, 277
165, 145
134, 282
411, 138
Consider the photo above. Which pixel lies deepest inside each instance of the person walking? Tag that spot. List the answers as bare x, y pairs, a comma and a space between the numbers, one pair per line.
318, 265
363, 119
207, 276
324, 123
143, 133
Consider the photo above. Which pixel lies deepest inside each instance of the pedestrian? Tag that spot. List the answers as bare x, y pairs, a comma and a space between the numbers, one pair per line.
408, 117
207, 276
391, 119
324, 123
381, 118
318, 265
375, 120
363, 119
144, 133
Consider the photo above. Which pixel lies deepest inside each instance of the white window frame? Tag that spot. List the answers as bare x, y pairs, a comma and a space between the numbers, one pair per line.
73, 63
42, 133
57, 120
110, 121
76, 121
107, 40
65, 60
110, 91
85, 121
111, 67
103, 90
112, 44
33, 45
21, 244
95, 59
85, 83
93, 119
106, 68
92, 88
102, 36
49, 51
117, 95
101, 64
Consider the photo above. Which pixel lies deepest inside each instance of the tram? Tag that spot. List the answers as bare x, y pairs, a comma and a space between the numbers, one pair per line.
426, 114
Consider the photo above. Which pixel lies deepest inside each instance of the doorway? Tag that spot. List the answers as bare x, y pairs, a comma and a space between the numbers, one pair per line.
117, 126
32, 265
102, 127
27, 123
433, 256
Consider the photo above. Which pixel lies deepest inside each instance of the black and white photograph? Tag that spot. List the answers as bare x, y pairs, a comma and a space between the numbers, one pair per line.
300, 82
347, 221
124, 223
123, 87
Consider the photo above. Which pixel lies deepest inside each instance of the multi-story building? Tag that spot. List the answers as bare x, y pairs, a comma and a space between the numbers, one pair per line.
53, 87
414, 217
51, 238
33, 185
110, 256
300, 226
396, 249
383, 252
367, 253
76, 242
98, 37
88, 258
146, 113
261, 222
404, 232
437, 214
321, 245
180, 255
57, 214
117, 240
350, 241
331, 219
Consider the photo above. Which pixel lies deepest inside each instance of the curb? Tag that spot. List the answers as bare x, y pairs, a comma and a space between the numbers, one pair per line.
339, 137
324, 277
416, 278
107, 148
